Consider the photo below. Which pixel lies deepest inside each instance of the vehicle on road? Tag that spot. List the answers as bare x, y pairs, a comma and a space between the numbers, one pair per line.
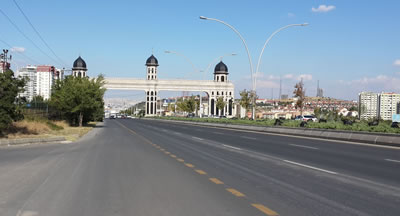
306, 118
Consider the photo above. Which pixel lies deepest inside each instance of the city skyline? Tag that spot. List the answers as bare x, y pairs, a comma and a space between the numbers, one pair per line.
348, 52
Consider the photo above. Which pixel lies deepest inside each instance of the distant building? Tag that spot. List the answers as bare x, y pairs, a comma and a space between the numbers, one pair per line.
284, 97
368, 105
44, 80
29, 73
388, 105
320, 92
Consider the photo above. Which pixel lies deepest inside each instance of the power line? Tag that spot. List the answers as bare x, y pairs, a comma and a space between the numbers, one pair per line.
26, 37
38, 34
29, 58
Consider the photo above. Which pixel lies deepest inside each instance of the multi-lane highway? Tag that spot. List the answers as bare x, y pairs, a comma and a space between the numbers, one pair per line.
146, 167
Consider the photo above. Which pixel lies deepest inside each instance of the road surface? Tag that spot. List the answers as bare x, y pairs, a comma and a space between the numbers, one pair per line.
145, 167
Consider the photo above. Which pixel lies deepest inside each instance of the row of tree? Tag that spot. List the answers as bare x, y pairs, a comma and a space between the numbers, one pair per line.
79, 100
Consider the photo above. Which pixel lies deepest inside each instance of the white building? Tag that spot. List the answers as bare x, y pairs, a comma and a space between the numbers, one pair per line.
44, 81
368, 105
28, 72
388, 105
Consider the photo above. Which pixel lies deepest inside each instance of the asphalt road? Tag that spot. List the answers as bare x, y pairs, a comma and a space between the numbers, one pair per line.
143, 167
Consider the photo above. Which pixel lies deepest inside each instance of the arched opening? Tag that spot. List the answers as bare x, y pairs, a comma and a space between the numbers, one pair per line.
147, 108
222, 79
212, 107
230, 106
151, 107
79, 74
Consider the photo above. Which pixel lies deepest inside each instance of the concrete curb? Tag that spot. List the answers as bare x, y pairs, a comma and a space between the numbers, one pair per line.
5, 142
352, 136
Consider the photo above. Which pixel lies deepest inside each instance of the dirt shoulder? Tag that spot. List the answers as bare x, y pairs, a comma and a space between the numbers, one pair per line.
46, 129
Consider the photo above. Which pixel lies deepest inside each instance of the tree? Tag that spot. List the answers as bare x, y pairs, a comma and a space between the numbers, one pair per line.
317, 112
79, 99
245, 99
10, 86
220, 103
300, 93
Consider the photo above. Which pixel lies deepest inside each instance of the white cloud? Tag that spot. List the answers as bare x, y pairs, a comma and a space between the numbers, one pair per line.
288, 76
267, 84
18, 49
396, 62
323, 8
290, 15
305, 77
378, 84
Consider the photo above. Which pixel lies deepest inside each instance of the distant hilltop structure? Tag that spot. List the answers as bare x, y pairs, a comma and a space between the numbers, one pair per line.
320, 92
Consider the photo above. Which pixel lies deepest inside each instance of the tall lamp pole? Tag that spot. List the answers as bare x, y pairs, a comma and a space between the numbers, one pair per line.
253, 75
262, 51
247, 50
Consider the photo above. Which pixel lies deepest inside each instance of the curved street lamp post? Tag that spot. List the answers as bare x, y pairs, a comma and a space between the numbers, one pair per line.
253, 75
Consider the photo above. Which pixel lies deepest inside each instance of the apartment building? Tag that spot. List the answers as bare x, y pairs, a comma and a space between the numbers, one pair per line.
368, 105
383, 105
44, 80
388, 105
29, 73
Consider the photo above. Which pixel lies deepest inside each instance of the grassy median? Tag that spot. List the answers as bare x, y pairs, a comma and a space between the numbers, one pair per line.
383, 127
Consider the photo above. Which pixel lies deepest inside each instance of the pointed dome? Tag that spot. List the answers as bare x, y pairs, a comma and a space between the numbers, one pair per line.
79, 63
152, 61
221, 68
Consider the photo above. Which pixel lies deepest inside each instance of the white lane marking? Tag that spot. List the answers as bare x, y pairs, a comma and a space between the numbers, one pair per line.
302, 146
246, 137
164, 130
219, 133
177, 133
232, 147
391, 160
311, 167
197, 138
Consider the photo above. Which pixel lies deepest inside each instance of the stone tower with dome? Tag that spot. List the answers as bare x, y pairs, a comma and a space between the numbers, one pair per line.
79, 68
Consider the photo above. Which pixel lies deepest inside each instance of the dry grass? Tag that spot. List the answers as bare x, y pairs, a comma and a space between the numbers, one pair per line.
41, 129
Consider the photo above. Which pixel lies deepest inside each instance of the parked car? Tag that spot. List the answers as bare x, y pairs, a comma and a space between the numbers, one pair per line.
112, 117
306, 118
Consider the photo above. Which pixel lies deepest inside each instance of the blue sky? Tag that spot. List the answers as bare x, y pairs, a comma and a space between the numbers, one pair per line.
350, 46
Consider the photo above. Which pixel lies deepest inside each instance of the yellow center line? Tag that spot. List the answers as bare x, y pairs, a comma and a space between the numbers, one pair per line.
235, 192
265, 209
201, 172
173, 156
189, 165
216, 181
180, 160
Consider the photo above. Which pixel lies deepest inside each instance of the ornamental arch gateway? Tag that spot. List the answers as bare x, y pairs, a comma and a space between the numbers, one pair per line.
151, 85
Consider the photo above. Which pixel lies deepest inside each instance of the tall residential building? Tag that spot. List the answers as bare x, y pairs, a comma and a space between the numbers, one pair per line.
44, 80
388, 105
368, 105
28, 72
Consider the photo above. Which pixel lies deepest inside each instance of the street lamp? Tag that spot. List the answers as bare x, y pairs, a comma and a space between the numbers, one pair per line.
245, 45
262, 51
253, 76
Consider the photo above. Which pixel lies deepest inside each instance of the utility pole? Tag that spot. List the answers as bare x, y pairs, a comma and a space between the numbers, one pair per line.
4, 59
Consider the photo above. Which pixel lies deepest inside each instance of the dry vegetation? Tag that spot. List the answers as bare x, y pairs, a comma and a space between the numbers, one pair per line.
42, 129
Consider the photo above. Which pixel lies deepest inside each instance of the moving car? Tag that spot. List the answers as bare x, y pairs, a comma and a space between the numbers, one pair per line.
306, 118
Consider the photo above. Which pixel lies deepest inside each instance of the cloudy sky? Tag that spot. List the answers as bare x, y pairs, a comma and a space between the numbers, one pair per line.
349, 46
